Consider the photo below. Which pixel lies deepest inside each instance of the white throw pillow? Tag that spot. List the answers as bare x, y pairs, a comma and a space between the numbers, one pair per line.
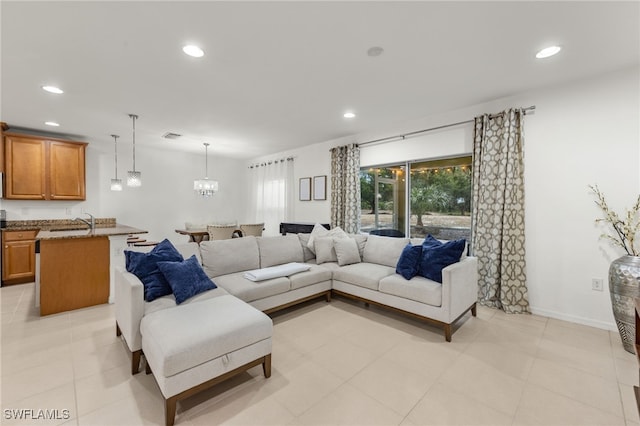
317, 231
324, 250
346, 251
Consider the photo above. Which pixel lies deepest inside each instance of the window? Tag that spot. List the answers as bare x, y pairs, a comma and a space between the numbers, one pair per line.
436, 198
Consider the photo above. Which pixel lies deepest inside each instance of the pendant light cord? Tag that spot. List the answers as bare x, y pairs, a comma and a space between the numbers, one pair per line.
133, 117
115, 142
206, 160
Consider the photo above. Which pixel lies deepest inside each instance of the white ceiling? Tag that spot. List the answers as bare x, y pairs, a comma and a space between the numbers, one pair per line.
278, 75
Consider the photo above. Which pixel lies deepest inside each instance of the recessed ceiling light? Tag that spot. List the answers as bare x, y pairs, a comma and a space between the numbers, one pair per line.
348, 115
52, 123
193, 50
548, 51
53, 89
375, 51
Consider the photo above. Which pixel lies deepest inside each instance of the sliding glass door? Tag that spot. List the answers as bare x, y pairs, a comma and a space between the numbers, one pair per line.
436, 199
383, 197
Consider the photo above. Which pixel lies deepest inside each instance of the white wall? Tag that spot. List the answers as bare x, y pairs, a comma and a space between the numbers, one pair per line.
585, 132
163, 203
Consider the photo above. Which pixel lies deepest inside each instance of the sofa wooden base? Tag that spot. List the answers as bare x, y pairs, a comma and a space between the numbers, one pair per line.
171, 402
325, 294
445, 326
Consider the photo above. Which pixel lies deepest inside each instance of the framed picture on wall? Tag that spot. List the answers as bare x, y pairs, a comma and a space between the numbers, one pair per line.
320, 187
305, 189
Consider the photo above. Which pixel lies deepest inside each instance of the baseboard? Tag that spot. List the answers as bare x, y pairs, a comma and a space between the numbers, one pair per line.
610, 326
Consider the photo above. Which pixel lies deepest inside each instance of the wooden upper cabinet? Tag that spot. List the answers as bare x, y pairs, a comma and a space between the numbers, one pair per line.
44, 169
25, 167
67, 175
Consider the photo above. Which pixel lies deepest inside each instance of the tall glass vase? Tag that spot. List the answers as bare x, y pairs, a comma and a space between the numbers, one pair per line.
624, 287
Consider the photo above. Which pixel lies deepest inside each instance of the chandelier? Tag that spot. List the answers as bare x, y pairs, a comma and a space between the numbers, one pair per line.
205, 187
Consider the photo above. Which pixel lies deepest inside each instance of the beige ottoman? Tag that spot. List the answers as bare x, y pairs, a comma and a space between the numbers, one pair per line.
192, 347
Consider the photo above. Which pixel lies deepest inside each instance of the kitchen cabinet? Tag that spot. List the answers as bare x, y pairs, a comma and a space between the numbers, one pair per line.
18, 256
74, 273
39, 168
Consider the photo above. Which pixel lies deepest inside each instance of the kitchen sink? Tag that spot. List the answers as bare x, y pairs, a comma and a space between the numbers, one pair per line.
67, 229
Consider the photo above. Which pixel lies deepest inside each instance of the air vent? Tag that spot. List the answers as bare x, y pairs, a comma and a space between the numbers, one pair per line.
170, 135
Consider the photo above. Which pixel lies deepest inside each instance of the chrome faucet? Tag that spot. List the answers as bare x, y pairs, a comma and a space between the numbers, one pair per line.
91, 224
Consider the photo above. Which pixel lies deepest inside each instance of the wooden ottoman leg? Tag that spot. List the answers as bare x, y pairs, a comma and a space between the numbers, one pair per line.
328, 296
135, 361
170, 410
474, 311
266, 366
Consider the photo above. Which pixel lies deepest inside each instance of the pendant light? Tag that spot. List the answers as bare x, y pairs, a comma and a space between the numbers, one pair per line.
134, 178
116, 184
205, 187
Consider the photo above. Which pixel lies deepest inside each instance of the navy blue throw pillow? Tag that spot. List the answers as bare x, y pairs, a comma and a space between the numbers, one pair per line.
186, 278
145, 267
409, 262
437, 255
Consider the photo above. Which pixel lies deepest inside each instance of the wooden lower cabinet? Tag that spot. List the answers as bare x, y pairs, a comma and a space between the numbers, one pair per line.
74, 273
18, 257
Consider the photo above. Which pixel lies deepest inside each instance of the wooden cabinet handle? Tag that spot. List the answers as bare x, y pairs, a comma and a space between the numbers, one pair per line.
19, 235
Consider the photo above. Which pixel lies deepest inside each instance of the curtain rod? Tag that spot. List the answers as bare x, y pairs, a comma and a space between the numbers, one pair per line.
417, 132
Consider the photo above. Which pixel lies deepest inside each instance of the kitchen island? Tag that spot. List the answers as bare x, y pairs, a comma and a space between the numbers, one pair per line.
75, 267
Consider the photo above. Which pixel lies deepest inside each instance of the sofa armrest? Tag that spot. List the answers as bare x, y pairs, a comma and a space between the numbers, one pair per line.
129, 301
460, 286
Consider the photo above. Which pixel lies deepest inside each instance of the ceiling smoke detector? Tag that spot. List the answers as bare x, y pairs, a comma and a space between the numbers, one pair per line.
170, 135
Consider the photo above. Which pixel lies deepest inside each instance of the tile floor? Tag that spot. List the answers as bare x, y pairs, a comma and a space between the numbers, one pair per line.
336, 363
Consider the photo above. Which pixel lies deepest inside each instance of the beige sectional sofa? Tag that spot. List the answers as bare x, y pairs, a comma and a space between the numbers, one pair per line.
372, 279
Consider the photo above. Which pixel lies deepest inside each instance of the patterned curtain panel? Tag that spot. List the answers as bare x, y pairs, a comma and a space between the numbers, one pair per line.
498, 211
345, 188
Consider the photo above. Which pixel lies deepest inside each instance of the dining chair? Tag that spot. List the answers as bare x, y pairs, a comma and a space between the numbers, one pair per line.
221, 232
254, 229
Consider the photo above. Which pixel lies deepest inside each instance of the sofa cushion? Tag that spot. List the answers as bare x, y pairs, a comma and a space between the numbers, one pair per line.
304, 242
186, 278
409, 263
145, 267
366, 275
347, 251
316, 274
224, 324
437, 255
383, 250
418, 288
279, 250
169, 301
248, 291
222, 257
361, 241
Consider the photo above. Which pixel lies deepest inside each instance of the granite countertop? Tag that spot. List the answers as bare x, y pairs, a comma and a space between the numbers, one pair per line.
70, 228
117, 229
